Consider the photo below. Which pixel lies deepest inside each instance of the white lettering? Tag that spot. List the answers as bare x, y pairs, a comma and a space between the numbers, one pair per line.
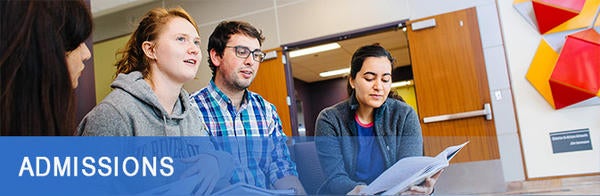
88, 165
116, 166
75, 164
135, 164
26, 165
579, 142
167, 164
147, 165
66, 166
37, 163
104, 163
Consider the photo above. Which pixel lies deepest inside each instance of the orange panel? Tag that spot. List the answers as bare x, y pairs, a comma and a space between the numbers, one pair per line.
540, 70
584, 19
520, 1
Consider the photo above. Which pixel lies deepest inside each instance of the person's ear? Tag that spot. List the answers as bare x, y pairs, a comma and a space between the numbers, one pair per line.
351, 82
149, 49
215, 58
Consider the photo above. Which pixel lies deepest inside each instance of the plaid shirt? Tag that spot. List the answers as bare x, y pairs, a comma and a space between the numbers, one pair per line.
253, 135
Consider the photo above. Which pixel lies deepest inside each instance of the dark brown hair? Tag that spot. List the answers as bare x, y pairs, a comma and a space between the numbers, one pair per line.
222, 33
359, 56
36, 90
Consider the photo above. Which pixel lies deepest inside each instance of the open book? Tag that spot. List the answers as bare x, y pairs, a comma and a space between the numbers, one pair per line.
410, 171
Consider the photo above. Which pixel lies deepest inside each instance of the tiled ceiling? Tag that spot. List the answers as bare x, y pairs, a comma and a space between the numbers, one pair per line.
308, 67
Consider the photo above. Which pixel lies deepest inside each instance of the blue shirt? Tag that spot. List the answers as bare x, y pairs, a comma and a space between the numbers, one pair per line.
253, 135
369, 163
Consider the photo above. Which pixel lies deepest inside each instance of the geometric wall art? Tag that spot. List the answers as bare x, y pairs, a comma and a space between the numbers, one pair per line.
565, 70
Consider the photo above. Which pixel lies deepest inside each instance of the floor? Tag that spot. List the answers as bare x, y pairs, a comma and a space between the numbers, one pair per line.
484, 178
585, 185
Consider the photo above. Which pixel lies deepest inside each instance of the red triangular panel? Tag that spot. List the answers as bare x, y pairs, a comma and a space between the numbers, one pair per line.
579, 62
548, 16
565, 96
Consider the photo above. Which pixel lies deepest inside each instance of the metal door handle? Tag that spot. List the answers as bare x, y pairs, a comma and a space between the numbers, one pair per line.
487, 112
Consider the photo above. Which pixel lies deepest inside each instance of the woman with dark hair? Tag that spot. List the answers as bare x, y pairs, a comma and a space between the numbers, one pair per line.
41, 59
361, 137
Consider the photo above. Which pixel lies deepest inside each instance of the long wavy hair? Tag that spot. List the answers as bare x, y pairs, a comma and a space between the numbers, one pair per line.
132, 57
36, 94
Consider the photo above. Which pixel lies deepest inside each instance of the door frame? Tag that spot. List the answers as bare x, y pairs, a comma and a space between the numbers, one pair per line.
286, 48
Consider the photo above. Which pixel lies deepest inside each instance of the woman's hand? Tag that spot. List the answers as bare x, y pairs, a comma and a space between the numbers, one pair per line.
356, 190
425, 188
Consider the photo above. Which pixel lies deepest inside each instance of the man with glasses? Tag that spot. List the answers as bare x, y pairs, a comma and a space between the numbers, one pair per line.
241, 122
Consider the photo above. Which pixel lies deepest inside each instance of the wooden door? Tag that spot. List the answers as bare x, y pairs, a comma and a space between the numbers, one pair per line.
450, 77
270, 83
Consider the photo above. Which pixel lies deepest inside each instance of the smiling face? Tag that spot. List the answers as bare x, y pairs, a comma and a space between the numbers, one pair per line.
175, 54
75, 65
373, 82
235, 73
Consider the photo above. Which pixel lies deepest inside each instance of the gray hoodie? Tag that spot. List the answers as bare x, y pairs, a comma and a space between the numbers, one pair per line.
132, 109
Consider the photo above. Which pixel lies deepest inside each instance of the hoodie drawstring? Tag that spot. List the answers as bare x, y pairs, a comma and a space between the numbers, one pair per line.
164, 125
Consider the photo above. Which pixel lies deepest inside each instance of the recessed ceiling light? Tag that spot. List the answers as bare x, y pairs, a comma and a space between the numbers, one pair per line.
314, 49
402, 83
334, 72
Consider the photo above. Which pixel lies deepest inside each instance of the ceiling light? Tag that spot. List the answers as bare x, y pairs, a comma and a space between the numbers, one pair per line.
334, 72
402, 83
314, 49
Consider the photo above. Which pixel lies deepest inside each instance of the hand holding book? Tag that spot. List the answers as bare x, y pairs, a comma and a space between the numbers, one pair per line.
410, 171
425, 188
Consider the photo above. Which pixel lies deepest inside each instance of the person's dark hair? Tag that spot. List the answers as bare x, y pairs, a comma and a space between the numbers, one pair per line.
222, 33
395, 95
37, 95
359, 56
132, 57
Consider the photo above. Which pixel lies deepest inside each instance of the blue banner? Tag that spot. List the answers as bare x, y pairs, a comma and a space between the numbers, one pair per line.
109, 165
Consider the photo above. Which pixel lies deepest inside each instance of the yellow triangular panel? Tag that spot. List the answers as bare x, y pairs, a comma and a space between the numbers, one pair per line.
520, 1
541, 69
584, 19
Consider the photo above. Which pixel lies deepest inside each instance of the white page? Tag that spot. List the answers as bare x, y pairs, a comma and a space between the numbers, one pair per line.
400, 171
410, 171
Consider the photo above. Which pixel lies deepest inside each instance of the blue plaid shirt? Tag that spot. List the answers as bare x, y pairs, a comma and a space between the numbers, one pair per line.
253, 135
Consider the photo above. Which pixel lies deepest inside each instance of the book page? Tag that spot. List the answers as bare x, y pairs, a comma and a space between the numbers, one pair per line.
402, 170
410, 171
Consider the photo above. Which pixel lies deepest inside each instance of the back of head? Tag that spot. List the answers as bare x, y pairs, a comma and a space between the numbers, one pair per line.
222, 33
36, 90
153, 22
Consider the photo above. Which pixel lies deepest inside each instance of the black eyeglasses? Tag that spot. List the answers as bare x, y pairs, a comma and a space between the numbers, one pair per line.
244, 52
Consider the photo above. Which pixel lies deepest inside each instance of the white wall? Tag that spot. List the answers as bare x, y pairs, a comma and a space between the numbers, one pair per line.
536, 117
287, 21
